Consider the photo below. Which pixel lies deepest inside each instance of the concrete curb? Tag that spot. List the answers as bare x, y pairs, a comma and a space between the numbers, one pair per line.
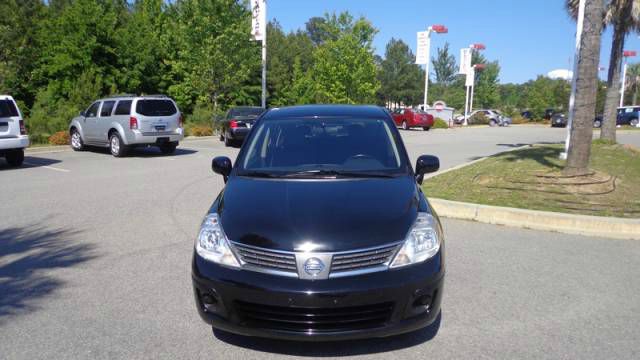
62, 148
599, 226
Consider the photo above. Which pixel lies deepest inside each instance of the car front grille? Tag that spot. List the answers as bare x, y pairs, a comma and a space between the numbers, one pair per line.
360, 260
267, 259
342, 264
313, 320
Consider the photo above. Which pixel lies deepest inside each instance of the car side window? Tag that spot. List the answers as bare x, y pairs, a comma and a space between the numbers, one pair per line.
92, 111
107, 108
123, 107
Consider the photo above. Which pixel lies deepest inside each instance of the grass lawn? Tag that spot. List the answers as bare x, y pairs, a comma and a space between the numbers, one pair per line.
531, 179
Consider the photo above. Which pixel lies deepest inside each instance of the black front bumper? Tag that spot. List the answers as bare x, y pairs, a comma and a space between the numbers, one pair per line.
378, 304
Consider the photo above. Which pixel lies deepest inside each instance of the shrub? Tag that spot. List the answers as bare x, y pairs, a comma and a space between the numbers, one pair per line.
479, 119
199, 130
59, 138
519, 119
440, 124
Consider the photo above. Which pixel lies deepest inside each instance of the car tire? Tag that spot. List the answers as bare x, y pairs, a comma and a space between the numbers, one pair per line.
116, 146
76, 141
168, 148
227, 142
405, 126
15, 157
633, 122
492, 123
426, 128
221, 135
597, 124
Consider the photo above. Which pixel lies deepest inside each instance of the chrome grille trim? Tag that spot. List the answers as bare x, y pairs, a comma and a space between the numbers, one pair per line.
344, 263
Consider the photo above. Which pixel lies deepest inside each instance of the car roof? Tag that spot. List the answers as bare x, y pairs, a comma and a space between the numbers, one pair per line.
301, 111
6, 97
131, 97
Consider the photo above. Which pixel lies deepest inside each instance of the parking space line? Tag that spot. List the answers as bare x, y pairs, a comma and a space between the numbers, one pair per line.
46, 167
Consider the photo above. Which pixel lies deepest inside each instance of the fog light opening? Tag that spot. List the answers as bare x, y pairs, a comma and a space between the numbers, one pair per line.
209, 300
424, 300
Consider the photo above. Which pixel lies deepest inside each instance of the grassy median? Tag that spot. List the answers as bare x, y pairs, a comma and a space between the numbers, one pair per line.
531, 179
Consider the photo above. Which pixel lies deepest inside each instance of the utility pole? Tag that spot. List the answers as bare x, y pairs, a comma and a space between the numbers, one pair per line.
423, 55
626, 54
469, 70
259, 33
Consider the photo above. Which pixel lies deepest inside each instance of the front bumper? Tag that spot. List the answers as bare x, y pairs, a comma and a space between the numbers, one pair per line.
377, 304
19, 142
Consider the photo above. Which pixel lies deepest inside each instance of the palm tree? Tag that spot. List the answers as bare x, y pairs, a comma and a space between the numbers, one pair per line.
624, 17
633, 81
585, 91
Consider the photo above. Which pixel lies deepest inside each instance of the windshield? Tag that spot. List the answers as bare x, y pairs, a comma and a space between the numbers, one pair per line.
248, 112
324, 147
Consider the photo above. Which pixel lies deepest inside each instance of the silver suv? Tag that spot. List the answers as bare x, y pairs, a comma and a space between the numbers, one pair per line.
13, 134
123, 122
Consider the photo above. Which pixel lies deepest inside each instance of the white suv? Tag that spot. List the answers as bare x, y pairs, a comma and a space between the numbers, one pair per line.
13, 134
123, 122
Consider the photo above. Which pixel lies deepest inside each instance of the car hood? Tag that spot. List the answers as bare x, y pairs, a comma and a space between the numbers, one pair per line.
331, 214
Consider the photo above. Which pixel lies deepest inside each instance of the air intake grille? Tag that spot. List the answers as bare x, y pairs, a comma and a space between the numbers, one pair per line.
359, 260
269, 259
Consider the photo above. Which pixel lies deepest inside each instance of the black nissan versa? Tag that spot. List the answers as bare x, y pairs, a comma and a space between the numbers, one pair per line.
322, 231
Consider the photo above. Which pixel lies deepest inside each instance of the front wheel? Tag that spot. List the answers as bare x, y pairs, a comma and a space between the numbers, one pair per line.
118, 149
426, 128
15, 157
492, 123
633, 122
168, 148
76, 141
597, 124
405, 126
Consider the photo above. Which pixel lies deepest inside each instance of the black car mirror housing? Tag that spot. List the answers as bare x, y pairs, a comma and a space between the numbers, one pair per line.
221, 165
426, 164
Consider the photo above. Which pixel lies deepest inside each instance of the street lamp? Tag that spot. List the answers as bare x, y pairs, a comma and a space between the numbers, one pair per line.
470, 81
438, 29
625, 54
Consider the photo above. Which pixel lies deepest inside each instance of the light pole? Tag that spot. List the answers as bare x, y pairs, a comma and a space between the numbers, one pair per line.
438, 29
625, 54
470, 81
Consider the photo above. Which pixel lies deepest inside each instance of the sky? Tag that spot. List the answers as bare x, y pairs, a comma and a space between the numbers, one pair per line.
527, 37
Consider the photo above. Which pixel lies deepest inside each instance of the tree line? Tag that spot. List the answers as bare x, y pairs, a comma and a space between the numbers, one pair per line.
57, 56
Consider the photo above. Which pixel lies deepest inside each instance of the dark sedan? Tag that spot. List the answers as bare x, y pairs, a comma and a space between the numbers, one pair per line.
322, 231
559, 120
237, 124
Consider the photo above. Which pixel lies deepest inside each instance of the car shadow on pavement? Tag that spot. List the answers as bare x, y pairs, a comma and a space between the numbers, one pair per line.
333, 348
142, 152
29, 162
27, 257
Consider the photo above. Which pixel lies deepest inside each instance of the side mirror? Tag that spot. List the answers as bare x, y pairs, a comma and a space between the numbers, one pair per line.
426, 164
82, 113
221, 165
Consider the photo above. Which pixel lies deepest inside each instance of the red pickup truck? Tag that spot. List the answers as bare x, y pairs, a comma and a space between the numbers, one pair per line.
409, 118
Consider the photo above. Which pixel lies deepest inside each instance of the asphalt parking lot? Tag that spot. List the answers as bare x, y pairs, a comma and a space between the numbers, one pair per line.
95, 258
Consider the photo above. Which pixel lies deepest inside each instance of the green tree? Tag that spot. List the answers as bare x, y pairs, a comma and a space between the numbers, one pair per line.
400, 78
486, 92
444, 66
344, 72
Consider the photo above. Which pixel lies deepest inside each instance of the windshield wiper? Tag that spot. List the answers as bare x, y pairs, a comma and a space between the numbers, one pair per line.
337, 173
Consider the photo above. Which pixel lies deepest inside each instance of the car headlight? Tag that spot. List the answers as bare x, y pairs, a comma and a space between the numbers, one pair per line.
213, 245
421, 243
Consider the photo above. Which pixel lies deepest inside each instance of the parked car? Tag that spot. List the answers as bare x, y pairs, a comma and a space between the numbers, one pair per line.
237, 124
527, 115
494, 117
628, 115
548, 113
13, 133
411, 118
559, 120
124, 122
303, 244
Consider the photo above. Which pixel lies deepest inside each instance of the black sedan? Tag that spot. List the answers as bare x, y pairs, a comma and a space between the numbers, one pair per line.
237, 124
322, 231
559, 120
